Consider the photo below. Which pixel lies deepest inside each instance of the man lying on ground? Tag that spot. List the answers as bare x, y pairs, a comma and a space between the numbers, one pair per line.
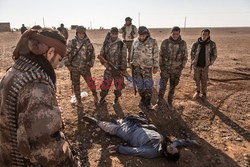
143, 138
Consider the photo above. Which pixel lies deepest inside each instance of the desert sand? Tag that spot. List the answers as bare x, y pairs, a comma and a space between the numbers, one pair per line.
222, 124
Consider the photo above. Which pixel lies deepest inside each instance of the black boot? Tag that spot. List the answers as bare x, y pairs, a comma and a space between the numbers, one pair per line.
148, 104
101, 101
142, 101
159, 104
204, 97
89, 119
116, 101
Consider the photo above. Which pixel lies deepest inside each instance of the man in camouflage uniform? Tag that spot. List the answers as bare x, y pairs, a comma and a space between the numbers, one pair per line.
63, 31
145, 55
30, 119
129, 32
114, 51
79, 60
203, 54
23, 29
173, 58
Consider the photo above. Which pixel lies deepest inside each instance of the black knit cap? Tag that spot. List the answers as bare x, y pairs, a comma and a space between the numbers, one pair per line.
81, 29
114, 30
143, 30
176, 28
128, 19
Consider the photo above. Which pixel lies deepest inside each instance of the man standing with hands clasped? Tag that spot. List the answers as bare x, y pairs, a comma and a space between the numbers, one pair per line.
203, 54
173, 58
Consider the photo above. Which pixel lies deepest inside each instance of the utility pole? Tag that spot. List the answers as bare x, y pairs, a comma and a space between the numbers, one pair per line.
185, 21
43, 23
139, 19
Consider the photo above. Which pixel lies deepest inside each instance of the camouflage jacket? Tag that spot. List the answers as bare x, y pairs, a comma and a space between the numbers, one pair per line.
115, 52
64, 32
30, 119
173, 54
145, 54
129, 32
85, 57
210, 52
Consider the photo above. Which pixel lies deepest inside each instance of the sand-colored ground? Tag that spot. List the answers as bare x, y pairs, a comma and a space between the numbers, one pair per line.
222, 124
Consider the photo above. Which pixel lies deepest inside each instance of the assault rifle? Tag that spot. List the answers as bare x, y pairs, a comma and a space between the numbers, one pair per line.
126, 75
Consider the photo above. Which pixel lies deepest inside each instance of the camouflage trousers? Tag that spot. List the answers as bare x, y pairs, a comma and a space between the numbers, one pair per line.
129, 47
144, 81
174, 77
75, 78
109, 77
201, 78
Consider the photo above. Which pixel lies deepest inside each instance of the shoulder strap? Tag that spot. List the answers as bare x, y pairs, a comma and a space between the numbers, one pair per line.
76, 53
120, 54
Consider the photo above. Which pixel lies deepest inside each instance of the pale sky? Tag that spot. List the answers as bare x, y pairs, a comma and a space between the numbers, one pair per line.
110, 13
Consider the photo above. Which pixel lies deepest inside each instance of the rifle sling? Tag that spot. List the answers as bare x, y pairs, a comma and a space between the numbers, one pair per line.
76, 53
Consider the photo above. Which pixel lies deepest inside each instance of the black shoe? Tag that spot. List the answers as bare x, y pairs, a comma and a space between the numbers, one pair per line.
113, 120
142, 102
204, 97
149, 107
101, 101
142, 114
89, 119
148, 104
116, 101
170, 106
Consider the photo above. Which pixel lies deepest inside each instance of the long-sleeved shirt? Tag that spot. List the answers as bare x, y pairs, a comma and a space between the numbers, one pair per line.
144, 142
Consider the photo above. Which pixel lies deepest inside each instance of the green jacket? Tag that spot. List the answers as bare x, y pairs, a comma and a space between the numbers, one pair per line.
211, 53
85, 57
145, 54
173, 54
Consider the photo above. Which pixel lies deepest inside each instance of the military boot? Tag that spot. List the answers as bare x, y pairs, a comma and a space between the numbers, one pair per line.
204, 97
142, 101
159, 104
116, 101
101, 101
148, 104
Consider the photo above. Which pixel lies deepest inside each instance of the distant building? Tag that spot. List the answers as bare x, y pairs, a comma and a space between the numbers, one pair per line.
5, 27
